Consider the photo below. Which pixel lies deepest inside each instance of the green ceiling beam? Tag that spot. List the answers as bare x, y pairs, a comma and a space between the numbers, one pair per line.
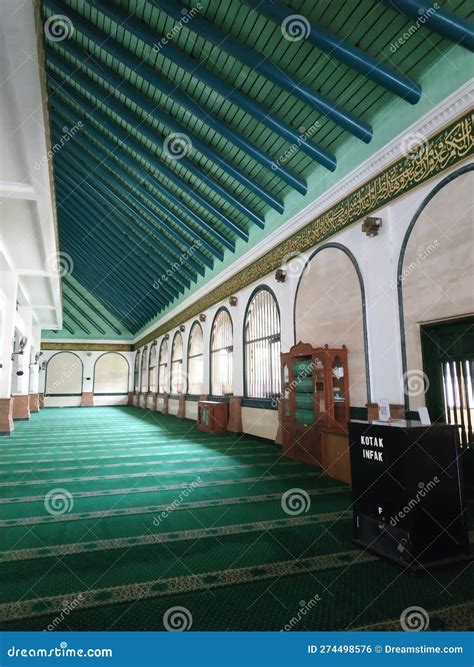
136, 275
137, 265
113, 126
137, 183
74, 319
111, 147
260, 64
335, 47
88, 198
106, 42
196, 69
108, 285
111, 81
82, 313
437, 19
68, 286
136, 210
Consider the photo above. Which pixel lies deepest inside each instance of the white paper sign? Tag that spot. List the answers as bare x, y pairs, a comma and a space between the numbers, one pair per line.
384, 410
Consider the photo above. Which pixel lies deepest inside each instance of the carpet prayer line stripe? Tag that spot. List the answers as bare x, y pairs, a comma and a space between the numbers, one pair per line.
34, 482
183, 584
151, 509
172, 536
168, 487
129, 464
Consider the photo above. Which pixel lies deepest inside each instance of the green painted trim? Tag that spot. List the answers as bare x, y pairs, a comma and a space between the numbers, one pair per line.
192, 397
446, 148
358, 413
262, 403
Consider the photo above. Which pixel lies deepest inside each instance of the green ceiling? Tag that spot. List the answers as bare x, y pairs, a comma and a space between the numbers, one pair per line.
148, 217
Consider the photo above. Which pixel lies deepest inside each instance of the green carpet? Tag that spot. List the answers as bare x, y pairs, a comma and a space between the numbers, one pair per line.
112, 516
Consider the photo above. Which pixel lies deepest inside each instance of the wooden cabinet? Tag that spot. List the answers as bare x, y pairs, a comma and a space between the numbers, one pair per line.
213, 416
315, 395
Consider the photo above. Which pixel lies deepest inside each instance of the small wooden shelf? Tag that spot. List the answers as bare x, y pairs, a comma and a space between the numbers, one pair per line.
213, 416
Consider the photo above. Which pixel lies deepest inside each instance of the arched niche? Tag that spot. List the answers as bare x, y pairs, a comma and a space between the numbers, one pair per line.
64, 375
330, 309
111, 374
436, 268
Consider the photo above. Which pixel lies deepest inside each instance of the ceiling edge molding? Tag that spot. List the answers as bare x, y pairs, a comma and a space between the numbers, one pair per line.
440, 151
87, 347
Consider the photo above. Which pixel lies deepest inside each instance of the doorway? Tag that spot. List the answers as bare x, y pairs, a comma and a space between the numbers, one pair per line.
448, 361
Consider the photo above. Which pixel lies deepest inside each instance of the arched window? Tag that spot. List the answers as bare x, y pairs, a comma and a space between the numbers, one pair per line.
177, 364
221, 354
163, 367
136, 372
262, 346
144, 374
152, 369
195, 360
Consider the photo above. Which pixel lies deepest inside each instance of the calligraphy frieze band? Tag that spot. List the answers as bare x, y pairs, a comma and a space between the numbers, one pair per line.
443, 150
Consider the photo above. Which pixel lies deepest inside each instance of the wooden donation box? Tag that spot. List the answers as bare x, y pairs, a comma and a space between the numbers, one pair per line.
407, 492
213, 416
314, 408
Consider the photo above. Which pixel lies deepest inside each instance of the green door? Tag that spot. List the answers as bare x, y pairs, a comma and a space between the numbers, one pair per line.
448, 361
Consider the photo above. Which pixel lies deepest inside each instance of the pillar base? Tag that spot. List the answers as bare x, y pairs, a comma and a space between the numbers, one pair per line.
34, 403
130, 398
235, 414
41, 400
87, 399
6, 416
181, 414
166, 399
21, 406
